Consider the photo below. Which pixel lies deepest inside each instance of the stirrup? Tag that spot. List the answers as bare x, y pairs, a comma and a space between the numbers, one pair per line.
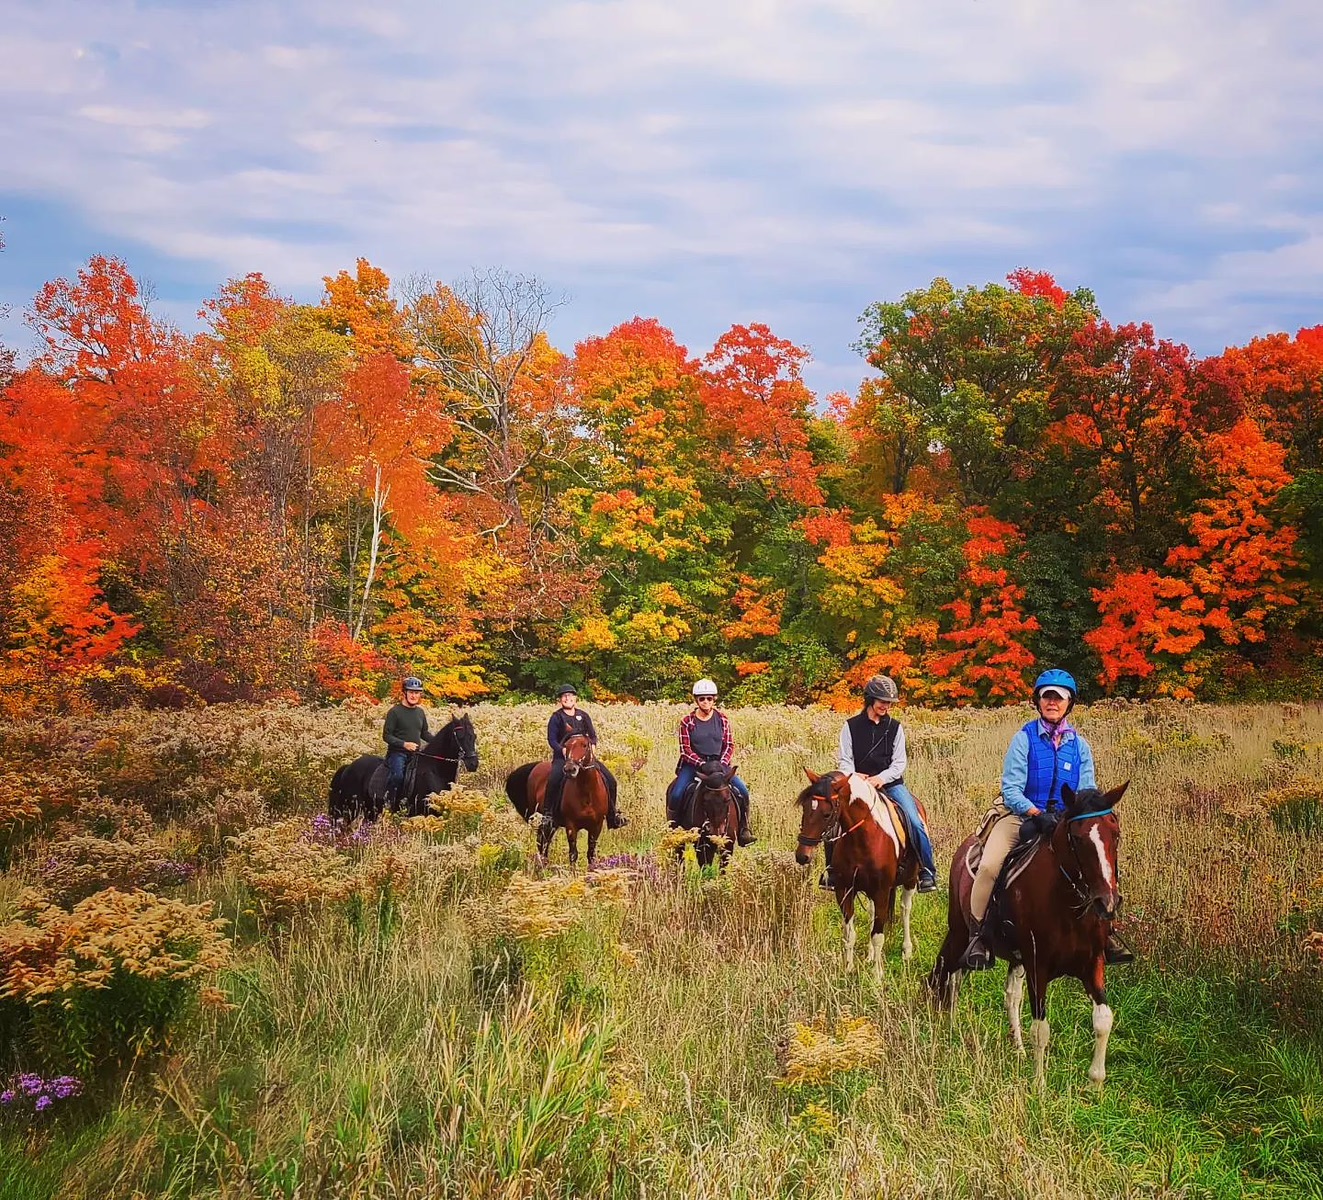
1116, 955
977, 955
616, 821
825, 881
744, 838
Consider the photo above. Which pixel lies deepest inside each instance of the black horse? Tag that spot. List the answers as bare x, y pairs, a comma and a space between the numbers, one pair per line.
358, 789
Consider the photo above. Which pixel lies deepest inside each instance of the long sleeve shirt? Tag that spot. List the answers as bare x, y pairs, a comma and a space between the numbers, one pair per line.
687, 754
1015, 769
405, 723
845, 757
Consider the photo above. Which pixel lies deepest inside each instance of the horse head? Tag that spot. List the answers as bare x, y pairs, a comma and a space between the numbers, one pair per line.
466, 740
1087, 843
714, 798
820, 810
578, 750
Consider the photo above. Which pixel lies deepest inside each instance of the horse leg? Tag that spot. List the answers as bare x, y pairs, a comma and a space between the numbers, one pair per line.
877, 940
1015, 1004
1039, 1033
594, 832
572, 837
907, 903
1102, 1024
846, 903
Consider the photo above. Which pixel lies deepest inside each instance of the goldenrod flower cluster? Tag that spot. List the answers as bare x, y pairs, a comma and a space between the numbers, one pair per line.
815, 1055
534, 909
51, 954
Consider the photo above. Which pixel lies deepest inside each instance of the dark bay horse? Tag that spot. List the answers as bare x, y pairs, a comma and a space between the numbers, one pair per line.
583, 802
711, 810
868, 859
359, 788
1050, 922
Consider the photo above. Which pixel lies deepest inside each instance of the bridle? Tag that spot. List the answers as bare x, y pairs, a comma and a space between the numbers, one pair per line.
831, 831
1077, 883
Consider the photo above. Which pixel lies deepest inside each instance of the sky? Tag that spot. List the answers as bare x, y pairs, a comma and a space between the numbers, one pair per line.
707, 164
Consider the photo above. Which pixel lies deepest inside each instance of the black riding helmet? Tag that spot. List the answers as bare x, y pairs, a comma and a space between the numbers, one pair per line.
881, 687
567, 689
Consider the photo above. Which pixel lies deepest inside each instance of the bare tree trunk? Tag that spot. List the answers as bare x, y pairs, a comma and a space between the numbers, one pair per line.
380, 495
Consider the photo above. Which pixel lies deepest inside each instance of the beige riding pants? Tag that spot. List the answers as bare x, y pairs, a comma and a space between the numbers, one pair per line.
1004, 833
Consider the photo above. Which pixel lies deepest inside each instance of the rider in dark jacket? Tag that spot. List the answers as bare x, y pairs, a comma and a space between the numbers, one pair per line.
405, 730
564, 723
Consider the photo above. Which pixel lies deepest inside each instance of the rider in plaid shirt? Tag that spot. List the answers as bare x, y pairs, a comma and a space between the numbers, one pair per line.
705, 737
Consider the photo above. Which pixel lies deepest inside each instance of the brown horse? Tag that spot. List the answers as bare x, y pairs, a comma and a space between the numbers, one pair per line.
1051, 921
711, 810
583, 802
867, 860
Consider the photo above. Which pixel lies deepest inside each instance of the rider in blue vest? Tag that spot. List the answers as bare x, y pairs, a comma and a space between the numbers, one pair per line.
1044, 755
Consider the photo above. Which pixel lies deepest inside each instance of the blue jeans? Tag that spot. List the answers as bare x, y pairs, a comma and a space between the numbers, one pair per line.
686, 776
397, 762
906, 802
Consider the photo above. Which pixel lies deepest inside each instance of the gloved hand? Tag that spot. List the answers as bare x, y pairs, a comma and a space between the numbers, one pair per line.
1037, 826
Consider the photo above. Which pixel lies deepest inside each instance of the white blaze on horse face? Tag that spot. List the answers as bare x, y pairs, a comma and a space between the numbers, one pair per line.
1109, 876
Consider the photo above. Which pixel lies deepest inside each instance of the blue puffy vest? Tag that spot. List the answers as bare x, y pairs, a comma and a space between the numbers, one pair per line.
1049, 768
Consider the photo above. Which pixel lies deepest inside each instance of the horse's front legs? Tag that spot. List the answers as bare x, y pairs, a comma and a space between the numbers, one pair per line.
846, 903
1015, 1004
593, 834
572, 837
906, 903
1039, 1032
1102, 1024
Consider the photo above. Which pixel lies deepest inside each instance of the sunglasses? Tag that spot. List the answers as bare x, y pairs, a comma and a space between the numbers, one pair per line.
709, 699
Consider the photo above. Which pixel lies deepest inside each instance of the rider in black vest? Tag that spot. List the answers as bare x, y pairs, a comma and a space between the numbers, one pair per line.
873, 745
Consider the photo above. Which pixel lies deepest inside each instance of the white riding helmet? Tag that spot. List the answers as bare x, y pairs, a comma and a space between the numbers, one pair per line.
705, 687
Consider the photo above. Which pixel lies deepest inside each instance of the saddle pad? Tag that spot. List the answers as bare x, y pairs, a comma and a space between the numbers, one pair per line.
883, 812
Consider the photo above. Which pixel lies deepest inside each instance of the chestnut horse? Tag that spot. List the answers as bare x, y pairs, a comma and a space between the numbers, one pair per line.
1051, 921
867, 860
583, 802
711, 810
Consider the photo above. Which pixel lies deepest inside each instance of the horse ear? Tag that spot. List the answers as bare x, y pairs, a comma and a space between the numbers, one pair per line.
1068, 794
1113, 797
812, 778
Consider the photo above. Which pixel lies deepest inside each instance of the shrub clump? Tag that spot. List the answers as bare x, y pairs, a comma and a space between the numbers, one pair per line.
106, 980
816, 1055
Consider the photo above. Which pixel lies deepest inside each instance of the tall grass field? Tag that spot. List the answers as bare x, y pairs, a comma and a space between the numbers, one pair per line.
244, 1001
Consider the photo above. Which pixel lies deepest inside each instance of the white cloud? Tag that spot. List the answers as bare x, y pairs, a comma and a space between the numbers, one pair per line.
723, 155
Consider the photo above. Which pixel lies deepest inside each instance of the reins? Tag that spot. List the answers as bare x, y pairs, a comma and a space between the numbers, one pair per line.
1076, 884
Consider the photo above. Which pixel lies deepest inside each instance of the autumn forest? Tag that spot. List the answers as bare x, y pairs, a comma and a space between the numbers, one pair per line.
303, 501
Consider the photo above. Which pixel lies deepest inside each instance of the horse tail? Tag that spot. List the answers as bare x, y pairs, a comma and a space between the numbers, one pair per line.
335, 800
516, 787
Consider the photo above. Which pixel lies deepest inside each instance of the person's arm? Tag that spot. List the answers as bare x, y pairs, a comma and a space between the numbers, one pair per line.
1088, 775
390, 734
686, 749
589, 728
898, 761
427, 733
553, 728
1015, 774
727, 740
845, 754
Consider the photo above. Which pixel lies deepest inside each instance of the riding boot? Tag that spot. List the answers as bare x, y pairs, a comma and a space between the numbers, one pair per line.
552, 804
977, 956
743, 837
825, 880
1116, 954
613, 818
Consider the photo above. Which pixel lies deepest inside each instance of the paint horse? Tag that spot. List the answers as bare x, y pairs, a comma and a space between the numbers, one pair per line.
583, 800
869, 857
358, 789
710, 809
1050, 920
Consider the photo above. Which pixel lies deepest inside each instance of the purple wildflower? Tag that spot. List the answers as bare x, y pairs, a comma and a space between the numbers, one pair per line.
644, 869
65, 1086
43, 1103
8, 1096
172, 872
31, 1085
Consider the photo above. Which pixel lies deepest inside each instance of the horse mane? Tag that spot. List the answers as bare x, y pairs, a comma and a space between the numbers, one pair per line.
819, 788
